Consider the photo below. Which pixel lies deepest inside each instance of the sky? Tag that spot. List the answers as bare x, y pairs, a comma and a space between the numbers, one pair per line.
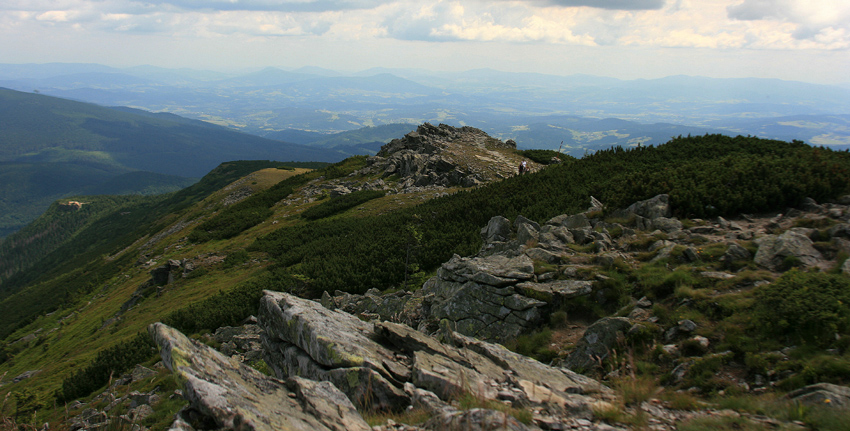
802, 40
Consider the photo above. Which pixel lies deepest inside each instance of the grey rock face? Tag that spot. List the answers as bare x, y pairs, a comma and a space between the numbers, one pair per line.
597, 342
238, 397
658, 206
774, 249
736, 253
303, 338
818, 394
556, 292
665, 224
419, 161
498, 229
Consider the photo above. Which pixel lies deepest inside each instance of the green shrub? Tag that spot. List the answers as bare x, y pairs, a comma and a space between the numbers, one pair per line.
235, 258
804, 308
110, 361
341, 203
544, 157
535, 345
658, 282
558, 319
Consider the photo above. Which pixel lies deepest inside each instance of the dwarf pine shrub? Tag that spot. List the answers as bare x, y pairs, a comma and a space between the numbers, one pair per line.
802, 307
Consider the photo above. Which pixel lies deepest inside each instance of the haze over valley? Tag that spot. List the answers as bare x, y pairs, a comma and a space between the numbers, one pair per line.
536, 110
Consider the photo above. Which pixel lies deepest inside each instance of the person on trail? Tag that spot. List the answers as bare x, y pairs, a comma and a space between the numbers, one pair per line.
523, 168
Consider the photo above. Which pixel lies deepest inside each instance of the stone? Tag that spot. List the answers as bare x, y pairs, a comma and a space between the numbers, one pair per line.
668, 225
658, 206
822, 394
775, 249
555, 292
297, 342
542, 255
691, 254
687, 325
496, 269
735, 253
236, 396
482, 310
140, 373
358, 354
520, 220
596, 343
526, 234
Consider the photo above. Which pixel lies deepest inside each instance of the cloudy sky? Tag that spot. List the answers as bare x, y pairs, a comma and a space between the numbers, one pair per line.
805, 40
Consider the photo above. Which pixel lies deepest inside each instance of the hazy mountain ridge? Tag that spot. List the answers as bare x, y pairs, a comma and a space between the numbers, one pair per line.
272, 99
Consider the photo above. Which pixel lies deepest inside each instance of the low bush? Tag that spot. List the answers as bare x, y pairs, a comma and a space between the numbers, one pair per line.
340, 204
804, 308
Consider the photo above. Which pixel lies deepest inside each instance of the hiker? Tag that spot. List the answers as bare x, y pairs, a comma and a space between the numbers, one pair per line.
521, 168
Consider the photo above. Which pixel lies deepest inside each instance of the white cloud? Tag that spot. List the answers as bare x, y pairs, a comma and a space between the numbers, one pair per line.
511, 29
609, 4
824, 23
271, 5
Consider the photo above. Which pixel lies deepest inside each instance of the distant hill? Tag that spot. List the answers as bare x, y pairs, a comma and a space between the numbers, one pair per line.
54, 147
271, 99
578, 136
366, 140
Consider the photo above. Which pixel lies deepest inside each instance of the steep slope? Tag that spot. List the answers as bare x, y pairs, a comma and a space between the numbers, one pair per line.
69, 238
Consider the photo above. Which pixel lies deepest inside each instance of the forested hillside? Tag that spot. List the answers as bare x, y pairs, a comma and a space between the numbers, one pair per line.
54, 148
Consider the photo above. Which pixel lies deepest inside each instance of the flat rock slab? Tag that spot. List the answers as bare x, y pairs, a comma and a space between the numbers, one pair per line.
555, 291
238, 397
493, 270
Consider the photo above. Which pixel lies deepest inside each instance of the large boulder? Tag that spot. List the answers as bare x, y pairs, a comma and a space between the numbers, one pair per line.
302, 338
658, 206
596, 344
498, 229
776, 250
238, 397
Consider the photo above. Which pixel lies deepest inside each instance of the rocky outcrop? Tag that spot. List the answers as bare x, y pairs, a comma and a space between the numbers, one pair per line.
479, 296
597, 343
240, 342
421, 158
235, 396
373, 362
789, 248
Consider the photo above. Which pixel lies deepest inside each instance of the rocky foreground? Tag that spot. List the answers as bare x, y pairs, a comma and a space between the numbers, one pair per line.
427, 349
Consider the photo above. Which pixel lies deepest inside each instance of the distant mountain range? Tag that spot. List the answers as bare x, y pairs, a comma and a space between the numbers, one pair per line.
272, 100
52, 147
